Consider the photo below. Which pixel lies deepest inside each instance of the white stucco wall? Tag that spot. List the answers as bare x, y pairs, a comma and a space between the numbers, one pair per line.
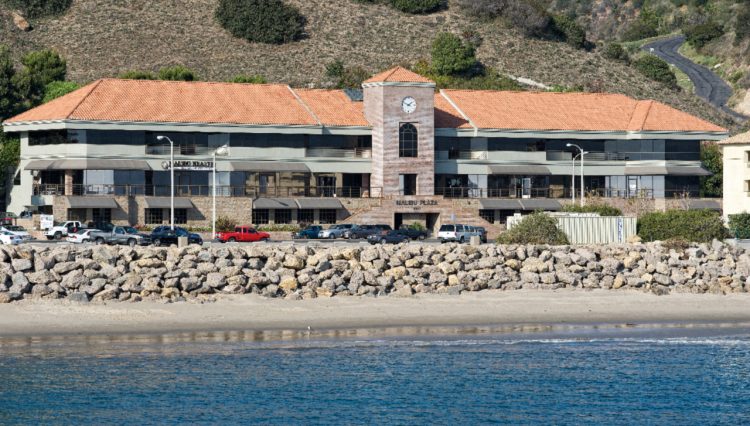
736, 172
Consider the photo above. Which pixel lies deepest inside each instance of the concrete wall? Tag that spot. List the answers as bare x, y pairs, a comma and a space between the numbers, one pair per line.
736, 174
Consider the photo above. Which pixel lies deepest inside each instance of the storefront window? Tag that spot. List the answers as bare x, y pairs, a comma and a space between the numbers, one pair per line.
327, 216
282, 216
305, 216
154, 216
260, 216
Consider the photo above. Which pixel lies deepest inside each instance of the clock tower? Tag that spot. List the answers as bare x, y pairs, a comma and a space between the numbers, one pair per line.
400, 106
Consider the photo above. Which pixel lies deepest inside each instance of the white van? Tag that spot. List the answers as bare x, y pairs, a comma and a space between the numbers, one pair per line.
456, 232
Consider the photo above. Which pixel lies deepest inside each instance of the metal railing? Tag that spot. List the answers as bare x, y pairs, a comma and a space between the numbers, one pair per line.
339, 152
206, 190
460, 155
180, 149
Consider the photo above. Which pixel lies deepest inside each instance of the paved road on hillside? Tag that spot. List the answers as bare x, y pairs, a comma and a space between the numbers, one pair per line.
708, 85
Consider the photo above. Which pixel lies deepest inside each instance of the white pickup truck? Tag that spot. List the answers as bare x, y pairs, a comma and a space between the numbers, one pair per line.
61, 230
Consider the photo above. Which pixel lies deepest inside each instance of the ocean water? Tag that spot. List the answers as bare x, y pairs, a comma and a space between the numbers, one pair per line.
655, 376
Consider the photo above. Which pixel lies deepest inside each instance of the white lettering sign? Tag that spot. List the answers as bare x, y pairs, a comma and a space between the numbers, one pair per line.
46, 221
189, 165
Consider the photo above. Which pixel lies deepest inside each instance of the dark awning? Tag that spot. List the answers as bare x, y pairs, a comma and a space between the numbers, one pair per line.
268, 166
275, 203
89, 164
688, 171
704, 205
646, 171
319, 203
541, 204
528, 170
92, 203
164, 203
499, 204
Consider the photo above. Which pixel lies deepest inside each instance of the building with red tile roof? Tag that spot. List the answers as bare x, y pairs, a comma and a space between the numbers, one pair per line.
321, 149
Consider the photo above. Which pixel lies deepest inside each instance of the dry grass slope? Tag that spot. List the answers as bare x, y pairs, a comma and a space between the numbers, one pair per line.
105, 37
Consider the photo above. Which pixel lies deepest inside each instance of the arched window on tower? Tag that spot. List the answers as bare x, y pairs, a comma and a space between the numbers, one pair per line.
408, 141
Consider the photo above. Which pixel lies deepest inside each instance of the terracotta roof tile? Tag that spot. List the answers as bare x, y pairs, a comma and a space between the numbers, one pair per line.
179, 102
572, 111
740, 139
446, 117
333, 107
398, 75
57, 109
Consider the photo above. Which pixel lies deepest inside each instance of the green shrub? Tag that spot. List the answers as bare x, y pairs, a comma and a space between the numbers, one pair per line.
616, 52
656, 69
742, 23
601, 209
739, 225
417, 226
137, 75
261, 21
451, 55
39, 69
225, 224
572, 32
699, 35
690, 225
39, 8
536, 228
9, 98
250, 79
639, 30
177, 73
57, 89
712, 159
417, 6
346, 77
279, 228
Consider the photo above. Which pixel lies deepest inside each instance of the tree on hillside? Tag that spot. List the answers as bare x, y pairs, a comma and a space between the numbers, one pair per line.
261, 21
40, 68
451, 55
656, 69
40, 8
177, 73
8, 95
249, 79
346, 77
711, 186
57, 89
137, 75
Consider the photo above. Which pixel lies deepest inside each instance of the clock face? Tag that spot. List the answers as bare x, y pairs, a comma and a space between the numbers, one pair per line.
409, 105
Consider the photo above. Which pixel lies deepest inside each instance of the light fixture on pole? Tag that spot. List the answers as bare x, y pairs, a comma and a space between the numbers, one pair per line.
582, 153
220, 152
171, 179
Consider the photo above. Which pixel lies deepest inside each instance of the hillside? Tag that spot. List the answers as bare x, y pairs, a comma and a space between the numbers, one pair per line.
101, 38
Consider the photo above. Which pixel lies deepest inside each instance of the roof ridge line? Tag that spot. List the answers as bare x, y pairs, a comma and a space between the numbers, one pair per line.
460, 111
78, 105
305, 106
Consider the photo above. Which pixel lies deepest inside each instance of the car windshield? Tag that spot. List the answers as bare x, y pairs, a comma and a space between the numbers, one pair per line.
447, 228
130, 230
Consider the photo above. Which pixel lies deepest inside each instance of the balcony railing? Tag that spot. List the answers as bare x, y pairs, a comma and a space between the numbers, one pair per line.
460, 155
339, 153
180, 149
206, 190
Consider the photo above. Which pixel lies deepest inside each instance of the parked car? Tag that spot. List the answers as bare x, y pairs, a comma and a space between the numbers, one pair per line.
455, 232
18, 230
7, 218
82, 236
414, 234
11, 239
243, 234
335, 231
364, 231
120, 235
63, 229
389, 237
165, 235
348, 233
311, 232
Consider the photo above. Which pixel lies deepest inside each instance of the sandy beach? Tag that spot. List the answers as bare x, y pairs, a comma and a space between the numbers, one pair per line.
248, 312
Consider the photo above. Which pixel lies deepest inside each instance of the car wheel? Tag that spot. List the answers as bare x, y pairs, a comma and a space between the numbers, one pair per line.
331, 237
99, 241
58, 235
157, 242
421, 237
132, 242
382, 241
49, 238
232, 240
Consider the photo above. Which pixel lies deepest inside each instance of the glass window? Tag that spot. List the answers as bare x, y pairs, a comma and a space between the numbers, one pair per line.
180, 216
408, 140
260, 216
100, 216
77, 214
488, 215
408, 184
154, 216
53, 137
282, 216
305, 216
327, 216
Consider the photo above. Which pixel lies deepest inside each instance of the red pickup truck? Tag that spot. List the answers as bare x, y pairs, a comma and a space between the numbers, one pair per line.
243, 234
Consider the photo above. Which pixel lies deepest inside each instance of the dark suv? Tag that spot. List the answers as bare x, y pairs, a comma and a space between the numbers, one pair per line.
164, 236
364, 231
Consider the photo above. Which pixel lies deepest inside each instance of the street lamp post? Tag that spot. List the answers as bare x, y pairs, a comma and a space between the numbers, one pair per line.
221, 151
582, 153
171, 179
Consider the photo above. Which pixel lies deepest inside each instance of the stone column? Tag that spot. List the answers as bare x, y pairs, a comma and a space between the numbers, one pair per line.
68, 182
